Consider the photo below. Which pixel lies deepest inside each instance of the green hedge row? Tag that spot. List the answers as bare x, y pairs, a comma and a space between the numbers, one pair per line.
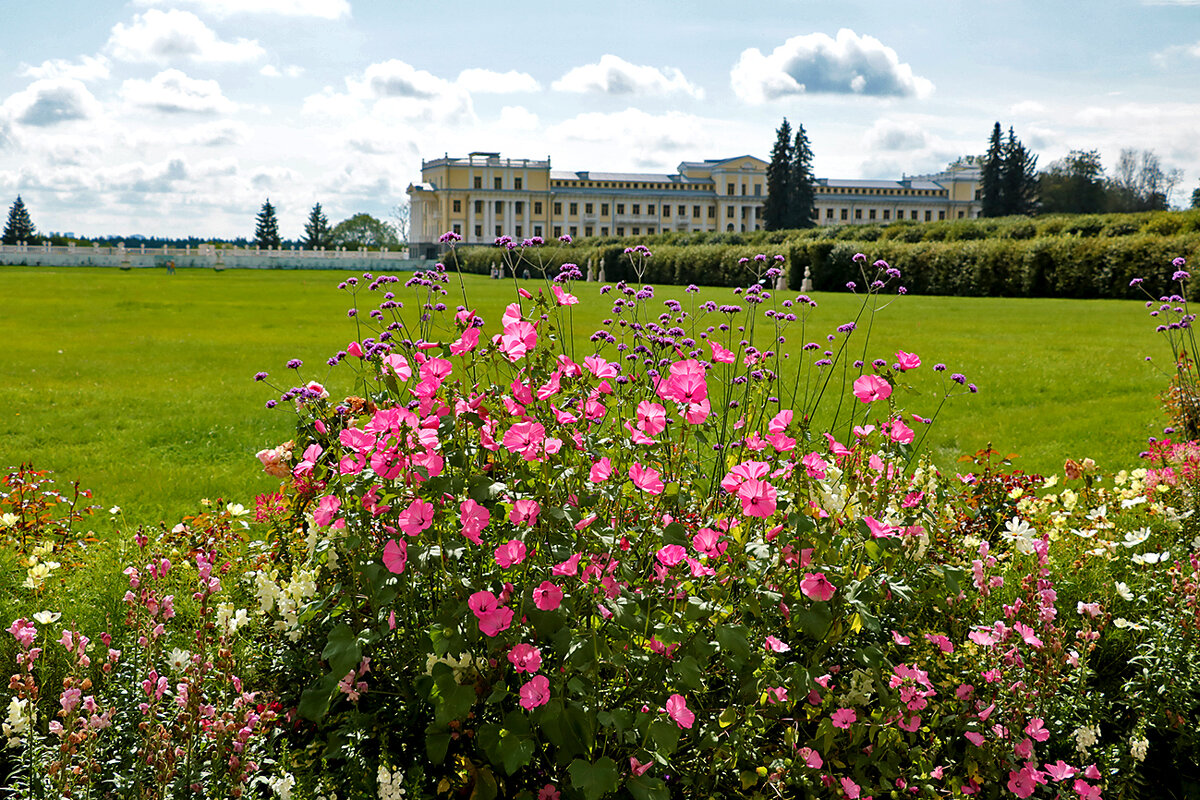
991, 257
1059, 266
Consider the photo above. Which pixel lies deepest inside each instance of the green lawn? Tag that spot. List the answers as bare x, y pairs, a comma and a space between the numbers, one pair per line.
141, 385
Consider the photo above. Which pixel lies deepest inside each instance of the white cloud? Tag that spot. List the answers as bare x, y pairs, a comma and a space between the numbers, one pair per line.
88, 68
1026, 108
217, 134
886, 134
293, 70
635, 136
615, 75
51, 101
161, 36
322, 9
486, 81
267, 178
172, 91
395, 90
816, 63
270, 71
518, 118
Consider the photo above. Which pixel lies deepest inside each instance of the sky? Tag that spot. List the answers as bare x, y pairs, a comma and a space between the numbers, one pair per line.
180, 117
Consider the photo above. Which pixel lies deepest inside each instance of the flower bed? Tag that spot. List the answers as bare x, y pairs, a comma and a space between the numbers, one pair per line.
506, 568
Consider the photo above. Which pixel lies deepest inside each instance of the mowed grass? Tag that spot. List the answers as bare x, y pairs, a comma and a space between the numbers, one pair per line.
141, 384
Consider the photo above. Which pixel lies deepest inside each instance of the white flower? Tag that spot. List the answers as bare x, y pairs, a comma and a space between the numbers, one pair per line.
1151, 558
1134, 538
46, 617
8, 520
1138, 748
115, 510
1085, 737
1133, 501
1123, 591
1017, 527
1125, 624
16, 722
236, 510
178, 660
282, 786
1050, 482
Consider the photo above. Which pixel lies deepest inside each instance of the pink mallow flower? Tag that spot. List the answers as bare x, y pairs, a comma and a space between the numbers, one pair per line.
535, 693
678, 711
547, 596
525, 658
843, 718
525, 512
869, 388
817, 586
510, 553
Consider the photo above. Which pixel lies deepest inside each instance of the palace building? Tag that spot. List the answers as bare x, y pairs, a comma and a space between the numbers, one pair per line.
483, 196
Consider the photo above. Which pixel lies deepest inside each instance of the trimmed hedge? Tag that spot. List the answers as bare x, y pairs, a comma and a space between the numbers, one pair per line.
1082, 255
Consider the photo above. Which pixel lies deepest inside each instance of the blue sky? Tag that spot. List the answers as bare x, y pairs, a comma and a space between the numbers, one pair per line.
178, 117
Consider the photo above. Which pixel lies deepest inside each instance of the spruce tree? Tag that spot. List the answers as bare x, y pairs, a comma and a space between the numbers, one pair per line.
775, 207
992, 199
266, 231
19, 227
1018, 177
802, 193
316, 230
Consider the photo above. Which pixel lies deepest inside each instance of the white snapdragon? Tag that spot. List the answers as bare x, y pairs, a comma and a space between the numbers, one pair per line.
1085, 737
1138, 748
16, 723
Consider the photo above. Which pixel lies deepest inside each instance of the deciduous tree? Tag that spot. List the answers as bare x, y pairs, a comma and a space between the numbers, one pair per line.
363, 230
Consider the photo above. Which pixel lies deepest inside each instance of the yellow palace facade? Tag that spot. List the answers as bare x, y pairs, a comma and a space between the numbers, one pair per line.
484, 196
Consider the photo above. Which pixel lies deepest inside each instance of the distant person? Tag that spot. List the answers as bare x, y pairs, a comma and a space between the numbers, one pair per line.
525, 274
170, 267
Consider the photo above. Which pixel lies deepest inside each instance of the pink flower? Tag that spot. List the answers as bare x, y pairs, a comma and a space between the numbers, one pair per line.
416, 518
900, 638
900, 433
775, 645
601, 471
879, 530
651, 418
548, 792
474, 519
525, 512
492, 616
563, 297
525, 658
327, 510
638, 768
974, 738
1027, 635
535, 693
1036, 730
720, 354
812, 759
670, 555
646, 478
395, 555
776, 694
678, 711
843, 718
518, 339
510, 553
570, 567
547, 596
942, 642
852, 789
758, 498
1060, 771
399, 365
467, 342
869, 388
525, 438
906, 361
817, 586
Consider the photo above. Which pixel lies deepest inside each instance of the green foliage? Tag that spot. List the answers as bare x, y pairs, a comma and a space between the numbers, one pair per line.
801, 189
316, 230
19, 227
779, 175
266, 227
363, 231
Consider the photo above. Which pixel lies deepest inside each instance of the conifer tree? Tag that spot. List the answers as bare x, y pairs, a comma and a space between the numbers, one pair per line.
1018, 177
316, 230
802, 194
19, 227
266, 231
992, 202
775, 207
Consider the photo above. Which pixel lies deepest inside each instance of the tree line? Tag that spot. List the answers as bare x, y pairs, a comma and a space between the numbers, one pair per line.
355, 232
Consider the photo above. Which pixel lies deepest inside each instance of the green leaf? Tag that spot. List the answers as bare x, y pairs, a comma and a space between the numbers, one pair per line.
643, 787
594, 780
687, 672
733, 641
450, 701
437, 743
314, 702
342, 650
665, 735
814, 620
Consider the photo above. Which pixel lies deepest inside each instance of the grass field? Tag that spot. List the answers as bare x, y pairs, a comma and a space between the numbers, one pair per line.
140, 384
